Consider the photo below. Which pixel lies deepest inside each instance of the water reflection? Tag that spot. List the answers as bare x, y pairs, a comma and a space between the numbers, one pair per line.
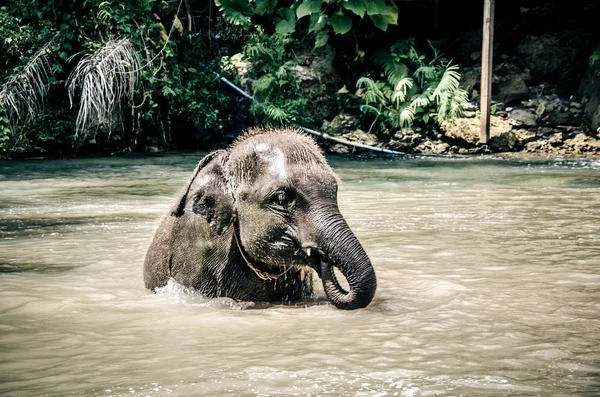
487, 271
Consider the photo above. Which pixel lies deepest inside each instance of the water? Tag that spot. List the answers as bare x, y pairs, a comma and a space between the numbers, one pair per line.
488, 272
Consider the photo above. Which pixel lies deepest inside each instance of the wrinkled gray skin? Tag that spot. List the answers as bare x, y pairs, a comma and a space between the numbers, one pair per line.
276, 193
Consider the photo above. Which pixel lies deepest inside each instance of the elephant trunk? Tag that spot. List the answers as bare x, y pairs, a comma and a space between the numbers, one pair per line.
340, 248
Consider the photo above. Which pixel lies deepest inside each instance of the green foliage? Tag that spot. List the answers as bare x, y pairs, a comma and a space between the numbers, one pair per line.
273, 85
595, 56
111, 53
326, 17
412, 88
5, 132
236, 12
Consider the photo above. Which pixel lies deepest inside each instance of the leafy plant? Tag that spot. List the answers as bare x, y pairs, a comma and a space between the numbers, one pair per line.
595, 56
411, 88
5, 131
324, 16
274, 87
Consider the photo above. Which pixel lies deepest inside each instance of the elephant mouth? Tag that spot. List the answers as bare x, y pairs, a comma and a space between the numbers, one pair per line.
318, 261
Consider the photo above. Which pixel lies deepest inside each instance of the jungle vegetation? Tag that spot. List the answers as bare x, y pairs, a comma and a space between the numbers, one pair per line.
111, 75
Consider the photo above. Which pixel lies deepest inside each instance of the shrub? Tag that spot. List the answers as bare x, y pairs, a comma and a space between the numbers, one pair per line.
411, 89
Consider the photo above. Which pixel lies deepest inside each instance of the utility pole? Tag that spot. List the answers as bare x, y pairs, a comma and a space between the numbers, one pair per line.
487, 52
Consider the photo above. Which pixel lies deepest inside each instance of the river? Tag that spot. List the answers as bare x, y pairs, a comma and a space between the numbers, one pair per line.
488, 285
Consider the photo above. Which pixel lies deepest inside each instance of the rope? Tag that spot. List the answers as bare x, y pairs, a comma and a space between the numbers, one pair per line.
310, 131
262, 275
327, 136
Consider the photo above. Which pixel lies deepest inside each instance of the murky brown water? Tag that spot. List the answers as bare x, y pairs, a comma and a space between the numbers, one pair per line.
488, 271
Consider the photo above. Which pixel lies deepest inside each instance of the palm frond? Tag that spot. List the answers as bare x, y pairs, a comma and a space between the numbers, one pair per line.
422, 101
24, 94
394, 71
449, 82
425, 73
373, 91
102, 80
451, 104
400, 90
407, 115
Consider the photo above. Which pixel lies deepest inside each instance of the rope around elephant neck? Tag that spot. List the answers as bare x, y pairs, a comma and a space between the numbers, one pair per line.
262, 275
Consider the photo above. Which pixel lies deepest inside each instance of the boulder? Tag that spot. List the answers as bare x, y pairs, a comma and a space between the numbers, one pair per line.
511, 86
589, 90
406, 139
524, 137
466, 131
504, 142
582, 143
361, 137
556, 139
544, 55
559, 118
341, 124
470, 78
522, 117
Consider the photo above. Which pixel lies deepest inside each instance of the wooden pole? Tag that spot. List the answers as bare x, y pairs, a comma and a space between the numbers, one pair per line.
487, 51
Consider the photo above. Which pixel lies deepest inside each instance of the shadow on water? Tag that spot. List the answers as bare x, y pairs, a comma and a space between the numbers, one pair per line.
36, 267
30, 227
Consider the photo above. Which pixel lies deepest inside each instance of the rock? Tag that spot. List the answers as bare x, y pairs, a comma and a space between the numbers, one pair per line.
519, 117
589, 89
341, 124
406, 139
466, 131
512, 87
523, 137
470, 106
504, 142
470, 78
432, 147
559, 118
318, 80
535, 146
576, 105
544, 55
555, 139
339, 148
541, 109
583, 143
361, 136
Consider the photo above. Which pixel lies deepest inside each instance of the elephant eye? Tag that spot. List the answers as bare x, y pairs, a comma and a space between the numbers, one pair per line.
282, 198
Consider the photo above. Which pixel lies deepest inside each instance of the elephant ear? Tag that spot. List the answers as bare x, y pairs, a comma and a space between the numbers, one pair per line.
207, 195
203, 212
180, 205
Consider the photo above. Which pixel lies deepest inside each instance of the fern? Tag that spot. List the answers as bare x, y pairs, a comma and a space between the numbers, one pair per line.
412, 89
401, 90
394, 71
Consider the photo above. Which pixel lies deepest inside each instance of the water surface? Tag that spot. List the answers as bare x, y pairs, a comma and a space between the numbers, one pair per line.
488, 273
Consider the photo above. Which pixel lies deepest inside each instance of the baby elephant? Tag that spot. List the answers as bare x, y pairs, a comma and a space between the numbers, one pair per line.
254, 219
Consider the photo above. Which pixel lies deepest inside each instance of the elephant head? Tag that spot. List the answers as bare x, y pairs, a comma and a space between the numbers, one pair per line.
250, 220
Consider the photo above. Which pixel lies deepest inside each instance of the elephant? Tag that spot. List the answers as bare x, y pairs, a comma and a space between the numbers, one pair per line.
253, 223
